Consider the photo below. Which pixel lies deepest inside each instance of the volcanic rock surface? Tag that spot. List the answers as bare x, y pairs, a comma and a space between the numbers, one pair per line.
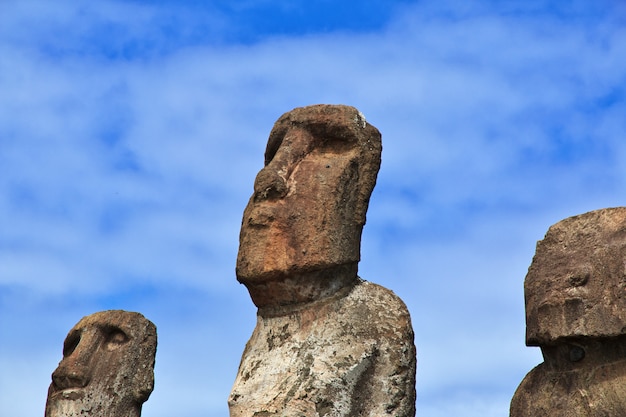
107, 368
575, 294
326, 342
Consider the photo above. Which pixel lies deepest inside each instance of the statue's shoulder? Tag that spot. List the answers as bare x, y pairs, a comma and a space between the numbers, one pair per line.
376, 295
373, 305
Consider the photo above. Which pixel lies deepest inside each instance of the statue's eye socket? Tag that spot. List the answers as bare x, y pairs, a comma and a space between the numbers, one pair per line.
70, 344
115, 337
576, 353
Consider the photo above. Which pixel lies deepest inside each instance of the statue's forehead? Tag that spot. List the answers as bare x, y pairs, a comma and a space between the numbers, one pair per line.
322, 124
304, 141
130, 323
588, 251
585, 234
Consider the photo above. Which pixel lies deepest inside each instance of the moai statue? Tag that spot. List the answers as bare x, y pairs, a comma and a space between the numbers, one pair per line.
575, 294
107, 368
326, 342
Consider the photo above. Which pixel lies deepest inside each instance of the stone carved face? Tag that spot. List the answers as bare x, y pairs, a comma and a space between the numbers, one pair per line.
304, 221
107, 367
576, 284
575, 294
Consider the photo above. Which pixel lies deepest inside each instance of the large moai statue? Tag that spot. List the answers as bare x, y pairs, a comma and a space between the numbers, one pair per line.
326, 343
575, 294
107, 368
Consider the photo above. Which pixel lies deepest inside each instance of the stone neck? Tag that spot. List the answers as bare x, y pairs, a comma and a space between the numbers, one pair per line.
584, 353
290, 292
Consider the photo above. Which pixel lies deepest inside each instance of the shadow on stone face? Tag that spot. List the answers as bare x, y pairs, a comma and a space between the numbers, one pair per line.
326, 342
576, 312
107, 368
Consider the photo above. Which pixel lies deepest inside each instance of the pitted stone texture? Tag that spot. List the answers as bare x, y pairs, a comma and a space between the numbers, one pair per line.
593, 386
309, 203
576, 312
349, 355
576, 284
326, 343
107, 368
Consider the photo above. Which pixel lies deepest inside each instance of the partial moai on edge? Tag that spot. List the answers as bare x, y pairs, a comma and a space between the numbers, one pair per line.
575, 294
107, 368
326, 342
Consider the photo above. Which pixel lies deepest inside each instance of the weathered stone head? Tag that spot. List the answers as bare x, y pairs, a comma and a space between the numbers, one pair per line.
107, 367
301, 231
576, 284
576, 312
326, 343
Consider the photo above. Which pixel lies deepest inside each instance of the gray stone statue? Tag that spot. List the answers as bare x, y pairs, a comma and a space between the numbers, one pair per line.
326, 342
575, 294
107, 367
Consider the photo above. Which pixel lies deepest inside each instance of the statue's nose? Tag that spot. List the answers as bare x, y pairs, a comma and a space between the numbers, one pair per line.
269, 185
75, 369
271, 181
70, 378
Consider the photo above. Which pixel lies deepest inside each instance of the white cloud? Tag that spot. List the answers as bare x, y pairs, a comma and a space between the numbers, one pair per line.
123, 173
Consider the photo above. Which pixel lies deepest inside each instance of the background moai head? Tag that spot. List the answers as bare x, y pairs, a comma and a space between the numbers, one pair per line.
301, 230
107, 368
576, 284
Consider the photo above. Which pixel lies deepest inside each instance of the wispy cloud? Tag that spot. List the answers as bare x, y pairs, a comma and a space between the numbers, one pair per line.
130, 135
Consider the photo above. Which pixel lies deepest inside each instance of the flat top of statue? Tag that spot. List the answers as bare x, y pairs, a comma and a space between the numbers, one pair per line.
301, 231
576, 284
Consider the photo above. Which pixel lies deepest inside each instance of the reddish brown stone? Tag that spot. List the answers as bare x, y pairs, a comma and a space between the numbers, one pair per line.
301, 231
576, 284
107, 367
326, 343
576, 312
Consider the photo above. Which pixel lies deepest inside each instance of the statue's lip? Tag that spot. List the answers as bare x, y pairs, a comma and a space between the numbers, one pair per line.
69, 394
262, 214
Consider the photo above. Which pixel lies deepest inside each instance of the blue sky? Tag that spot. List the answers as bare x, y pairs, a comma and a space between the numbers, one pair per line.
131, 133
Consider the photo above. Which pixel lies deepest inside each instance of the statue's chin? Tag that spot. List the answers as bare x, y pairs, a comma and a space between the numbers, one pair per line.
91, 407
81, 402
71, 403
297, 286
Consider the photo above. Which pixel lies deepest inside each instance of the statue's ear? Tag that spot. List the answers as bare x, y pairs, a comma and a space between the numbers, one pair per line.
143, 381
